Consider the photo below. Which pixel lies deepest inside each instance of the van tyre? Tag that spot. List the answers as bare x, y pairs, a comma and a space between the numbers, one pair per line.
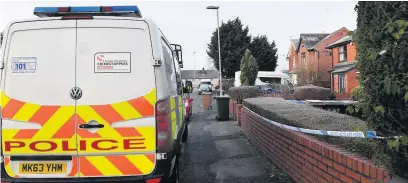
175, 176
185, 134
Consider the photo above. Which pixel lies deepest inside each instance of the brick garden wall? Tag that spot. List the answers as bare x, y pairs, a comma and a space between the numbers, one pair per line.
306, 159
235, 110
232, 108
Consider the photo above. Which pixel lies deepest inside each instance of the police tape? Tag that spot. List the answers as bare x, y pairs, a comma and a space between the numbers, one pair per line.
352, 134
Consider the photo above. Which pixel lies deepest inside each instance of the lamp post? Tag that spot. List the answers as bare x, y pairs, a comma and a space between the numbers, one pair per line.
219, 45
194, 71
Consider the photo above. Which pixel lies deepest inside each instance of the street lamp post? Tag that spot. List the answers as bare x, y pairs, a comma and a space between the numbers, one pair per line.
219, 45
194, 71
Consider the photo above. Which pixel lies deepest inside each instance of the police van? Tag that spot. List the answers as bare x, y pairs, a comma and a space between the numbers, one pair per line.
90, 94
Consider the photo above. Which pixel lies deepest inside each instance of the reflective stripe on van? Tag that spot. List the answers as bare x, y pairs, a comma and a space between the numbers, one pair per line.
115, 150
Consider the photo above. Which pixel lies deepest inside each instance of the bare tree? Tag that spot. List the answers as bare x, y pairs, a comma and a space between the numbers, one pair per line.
308, 74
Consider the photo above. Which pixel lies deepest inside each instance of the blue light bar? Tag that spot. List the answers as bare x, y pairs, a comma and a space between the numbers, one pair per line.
86, 9
124, 11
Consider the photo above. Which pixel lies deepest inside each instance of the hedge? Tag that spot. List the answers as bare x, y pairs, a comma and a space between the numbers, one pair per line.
304, 116
227, 84
382, 43
243, 92
311, 92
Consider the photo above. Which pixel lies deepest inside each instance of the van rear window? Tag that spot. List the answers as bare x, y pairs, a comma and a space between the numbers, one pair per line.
270, 80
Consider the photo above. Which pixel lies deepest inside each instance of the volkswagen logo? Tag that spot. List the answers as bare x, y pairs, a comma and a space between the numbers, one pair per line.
75, 93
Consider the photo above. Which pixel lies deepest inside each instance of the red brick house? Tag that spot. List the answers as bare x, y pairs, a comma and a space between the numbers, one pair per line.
344, 72
292, 58
308, 58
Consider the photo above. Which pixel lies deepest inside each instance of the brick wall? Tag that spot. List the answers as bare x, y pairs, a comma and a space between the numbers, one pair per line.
352, 80
351, 53
239, 113
291, 56
232, 104
325, 61
306, 159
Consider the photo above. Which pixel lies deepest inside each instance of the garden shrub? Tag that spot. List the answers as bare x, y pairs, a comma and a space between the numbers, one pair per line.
382, 43
249, 69
242, 92
280, 110
356, 110
311, 92
304, 116
357, 93
227, 84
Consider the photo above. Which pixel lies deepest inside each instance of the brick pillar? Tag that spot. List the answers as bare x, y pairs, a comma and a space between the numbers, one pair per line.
232, 104
238, 113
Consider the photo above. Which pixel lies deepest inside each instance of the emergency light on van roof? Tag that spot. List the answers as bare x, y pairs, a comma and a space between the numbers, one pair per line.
124, 11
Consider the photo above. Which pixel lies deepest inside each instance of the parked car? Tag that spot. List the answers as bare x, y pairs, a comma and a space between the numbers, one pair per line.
204, 87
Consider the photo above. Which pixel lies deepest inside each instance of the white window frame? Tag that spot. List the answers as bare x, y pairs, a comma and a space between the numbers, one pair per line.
343, 53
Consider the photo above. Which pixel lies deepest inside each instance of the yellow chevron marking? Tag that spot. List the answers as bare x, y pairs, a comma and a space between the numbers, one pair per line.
172, 103
88, 114
142, 163
151, 97
55, 122
26, 112
4, 99
173, 116
126, 110
148, 131
8, 134
181, 114
9, 170
173, 123
104, 165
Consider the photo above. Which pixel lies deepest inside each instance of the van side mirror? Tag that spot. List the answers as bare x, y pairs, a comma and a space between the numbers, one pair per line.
179, 54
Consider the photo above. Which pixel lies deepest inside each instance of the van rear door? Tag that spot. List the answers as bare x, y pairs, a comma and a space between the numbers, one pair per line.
115, 114
38, 127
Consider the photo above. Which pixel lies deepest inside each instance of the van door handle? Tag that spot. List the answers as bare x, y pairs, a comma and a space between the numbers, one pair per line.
86, 126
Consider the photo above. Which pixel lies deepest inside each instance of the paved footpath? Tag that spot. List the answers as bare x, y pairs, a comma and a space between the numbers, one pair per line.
218, 152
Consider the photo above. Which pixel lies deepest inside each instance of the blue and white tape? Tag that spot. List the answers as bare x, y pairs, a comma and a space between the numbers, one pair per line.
352, 134
297, 101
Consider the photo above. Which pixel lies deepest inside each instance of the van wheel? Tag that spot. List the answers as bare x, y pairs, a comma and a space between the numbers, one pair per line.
174, 178
185, 134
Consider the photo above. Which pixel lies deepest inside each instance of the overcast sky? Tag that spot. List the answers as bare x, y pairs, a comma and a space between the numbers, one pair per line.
190, 24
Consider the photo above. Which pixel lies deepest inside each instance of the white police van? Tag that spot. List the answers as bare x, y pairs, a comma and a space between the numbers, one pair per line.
90, 94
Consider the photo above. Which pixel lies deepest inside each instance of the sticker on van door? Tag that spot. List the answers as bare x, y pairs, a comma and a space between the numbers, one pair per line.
112, 62
23, 65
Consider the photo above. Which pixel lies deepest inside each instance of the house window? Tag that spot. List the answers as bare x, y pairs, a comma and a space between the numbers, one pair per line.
342, 84
303, 58
343, 53
294, 62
